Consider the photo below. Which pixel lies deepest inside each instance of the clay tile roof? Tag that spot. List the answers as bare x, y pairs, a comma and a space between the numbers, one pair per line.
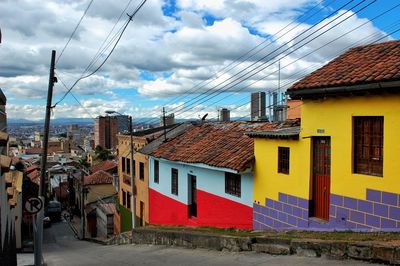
219, 144
34, 150
104, 165
360, 65
99, 178
34, 176
32, 167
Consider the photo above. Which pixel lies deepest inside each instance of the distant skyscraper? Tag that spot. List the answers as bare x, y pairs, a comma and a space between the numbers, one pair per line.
123, 123
169, 120
224, 115
257, 106
105, 132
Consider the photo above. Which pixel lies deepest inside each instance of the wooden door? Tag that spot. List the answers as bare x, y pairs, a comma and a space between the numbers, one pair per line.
193, 196
321, 177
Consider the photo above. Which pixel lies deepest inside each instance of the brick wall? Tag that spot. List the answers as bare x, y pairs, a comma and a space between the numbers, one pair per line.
379, 211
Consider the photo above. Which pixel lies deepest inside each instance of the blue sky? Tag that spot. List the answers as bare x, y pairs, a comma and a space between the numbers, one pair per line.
171, 49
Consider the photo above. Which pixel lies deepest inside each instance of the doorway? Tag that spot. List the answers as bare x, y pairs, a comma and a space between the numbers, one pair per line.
321, 178
192, 196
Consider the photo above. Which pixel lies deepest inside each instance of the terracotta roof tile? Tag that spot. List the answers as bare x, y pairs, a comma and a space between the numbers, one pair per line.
104, 165
360, 65
34, 176
99, 178
217, 144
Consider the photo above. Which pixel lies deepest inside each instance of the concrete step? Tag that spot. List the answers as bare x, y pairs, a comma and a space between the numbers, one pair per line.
273, 249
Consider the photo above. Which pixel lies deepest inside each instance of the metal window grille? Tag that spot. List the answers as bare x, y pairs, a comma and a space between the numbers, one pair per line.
233, 184
141, 171
283, 160
368, 145
123, 163
156, 171
174, 181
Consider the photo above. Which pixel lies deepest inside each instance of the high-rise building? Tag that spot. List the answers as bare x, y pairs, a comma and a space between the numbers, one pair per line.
123, 123
105, 132
257, 106
169, 120
224, 115
74, 134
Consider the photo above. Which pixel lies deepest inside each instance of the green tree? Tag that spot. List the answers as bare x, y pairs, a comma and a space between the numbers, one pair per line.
101, 153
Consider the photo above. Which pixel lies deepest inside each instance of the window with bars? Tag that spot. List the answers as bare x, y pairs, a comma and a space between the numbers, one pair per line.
368, 145
233, 184
141, 171
123, 198
128, 165
123, 163
174, 181
283, 160
156, 171
128, 200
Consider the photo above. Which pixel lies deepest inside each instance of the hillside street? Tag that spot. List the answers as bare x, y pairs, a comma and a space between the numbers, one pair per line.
62, 248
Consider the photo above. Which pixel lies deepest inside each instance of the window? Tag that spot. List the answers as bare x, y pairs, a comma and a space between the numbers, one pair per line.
232, 184
123, 198
174, 181
128, 200
128, 165
283, 160
141, 171
368, 145
123, 163
134, 168
156, 171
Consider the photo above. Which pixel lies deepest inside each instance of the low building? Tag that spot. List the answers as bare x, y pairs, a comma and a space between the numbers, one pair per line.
338, 170
204, 176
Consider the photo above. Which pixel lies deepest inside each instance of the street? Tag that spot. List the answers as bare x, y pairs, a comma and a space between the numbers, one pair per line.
62, 248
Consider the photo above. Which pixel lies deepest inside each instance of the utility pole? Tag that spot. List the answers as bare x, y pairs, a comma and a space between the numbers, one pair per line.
165, 127
39, 222
82, 205
132, 176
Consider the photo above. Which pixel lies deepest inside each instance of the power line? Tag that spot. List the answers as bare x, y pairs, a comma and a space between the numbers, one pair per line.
130, 18
256, 68
73, 32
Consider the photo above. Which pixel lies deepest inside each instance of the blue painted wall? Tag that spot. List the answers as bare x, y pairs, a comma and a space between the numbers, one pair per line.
209, 179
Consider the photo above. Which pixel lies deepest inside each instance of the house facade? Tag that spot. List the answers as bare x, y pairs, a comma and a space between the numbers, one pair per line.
204, 176
338, 170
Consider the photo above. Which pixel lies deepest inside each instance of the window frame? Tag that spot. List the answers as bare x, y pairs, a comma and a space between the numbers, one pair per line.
128, 200
128, 166
156, 169
283, 160
123, 166
141, 171
368, 141
123, 198
174, 181
233, 184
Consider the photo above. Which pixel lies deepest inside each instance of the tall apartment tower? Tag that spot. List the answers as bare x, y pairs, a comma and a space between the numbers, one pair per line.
105, 132
123, 123
169, 120
224, 115
257, 106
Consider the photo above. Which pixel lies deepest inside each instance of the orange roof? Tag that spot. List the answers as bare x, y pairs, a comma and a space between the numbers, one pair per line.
34, 176
36, 150
220, 144
360, 65
99, 178
104, 165
32, 167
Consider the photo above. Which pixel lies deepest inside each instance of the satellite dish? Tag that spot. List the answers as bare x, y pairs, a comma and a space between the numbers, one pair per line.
204, 117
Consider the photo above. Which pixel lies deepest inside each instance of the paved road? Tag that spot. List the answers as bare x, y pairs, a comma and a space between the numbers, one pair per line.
61, 248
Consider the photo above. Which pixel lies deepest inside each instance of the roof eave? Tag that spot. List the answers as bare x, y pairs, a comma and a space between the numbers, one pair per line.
376, 87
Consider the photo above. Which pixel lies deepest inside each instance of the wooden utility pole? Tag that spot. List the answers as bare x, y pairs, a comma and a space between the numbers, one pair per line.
164, 125
40, 216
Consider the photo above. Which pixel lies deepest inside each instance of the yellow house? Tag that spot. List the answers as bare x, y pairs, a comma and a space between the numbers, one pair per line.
339, 169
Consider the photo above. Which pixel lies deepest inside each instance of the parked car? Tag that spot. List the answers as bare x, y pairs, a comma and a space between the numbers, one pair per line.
46, 222
53, 211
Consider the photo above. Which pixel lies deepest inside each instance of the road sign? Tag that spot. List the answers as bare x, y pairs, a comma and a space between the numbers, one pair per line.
33, 205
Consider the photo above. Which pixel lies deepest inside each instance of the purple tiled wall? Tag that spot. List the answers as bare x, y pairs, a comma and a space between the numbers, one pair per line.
380, 211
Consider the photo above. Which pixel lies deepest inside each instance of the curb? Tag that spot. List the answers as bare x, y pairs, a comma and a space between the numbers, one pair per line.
333, 249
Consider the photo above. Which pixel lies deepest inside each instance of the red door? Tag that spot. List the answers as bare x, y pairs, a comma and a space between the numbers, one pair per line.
321, 177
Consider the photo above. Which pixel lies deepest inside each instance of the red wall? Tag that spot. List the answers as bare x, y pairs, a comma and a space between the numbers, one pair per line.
212, 210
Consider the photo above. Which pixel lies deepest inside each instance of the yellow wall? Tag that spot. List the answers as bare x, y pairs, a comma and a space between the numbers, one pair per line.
268, 182
334, 116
